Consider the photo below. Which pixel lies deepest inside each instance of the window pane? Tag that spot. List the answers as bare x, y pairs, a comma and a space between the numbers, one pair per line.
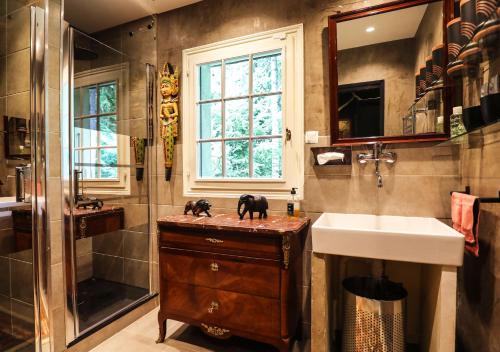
76, 102
107, 127
89, 132
210, 120
89, 100
267, 73
109, 156
237, 159
236, 77
210, 81
107, 98
236, 116
267, 158
89, 164
78, 133
267, 117
210, 159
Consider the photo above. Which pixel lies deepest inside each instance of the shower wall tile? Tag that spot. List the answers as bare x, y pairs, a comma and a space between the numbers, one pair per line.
136, 273
3, 33
136, 245
56, 241
5, 315
3, 76
18, 30
54, 24
18, 105
18, 67
55, 198
84, 267
108, 243
6, 242
23, 320
24, 256
13, 5
5, 276
107, 267
21, 281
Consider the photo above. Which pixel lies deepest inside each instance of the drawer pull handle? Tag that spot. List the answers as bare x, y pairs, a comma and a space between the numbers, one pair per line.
214, 240
214, 306
214, 267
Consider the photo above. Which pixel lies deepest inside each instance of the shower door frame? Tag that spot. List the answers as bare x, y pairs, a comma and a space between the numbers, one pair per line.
39, 135
73, 334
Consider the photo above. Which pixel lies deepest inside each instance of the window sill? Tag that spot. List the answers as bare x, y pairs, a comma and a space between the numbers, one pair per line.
235, 194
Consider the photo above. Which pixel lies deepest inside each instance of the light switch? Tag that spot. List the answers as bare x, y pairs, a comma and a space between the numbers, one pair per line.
312, 137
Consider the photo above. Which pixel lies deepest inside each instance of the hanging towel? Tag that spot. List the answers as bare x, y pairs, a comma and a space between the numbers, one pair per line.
465, 219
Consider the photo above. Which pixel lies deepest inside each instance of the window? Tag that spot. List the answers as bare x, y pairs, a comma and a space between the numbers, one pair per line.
100, 151
243, 121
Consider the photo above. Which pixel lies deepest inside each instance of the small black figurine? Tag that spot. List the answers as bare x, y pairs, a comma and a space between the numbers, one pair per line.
95, 203
252, 203
201, 206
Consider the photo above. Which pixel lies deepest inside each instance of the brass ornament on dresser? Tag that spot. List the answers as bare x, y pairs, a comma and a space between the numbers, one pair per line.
233, 277
169, 114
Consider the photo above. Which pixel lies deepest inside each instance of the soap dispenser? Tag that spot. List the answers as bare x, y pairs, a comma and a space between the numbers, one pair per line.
293, 205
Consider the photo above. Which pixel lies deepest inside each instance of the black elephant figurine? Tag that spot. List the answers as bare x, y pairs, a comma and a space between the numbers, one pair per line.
201, 206
252, 203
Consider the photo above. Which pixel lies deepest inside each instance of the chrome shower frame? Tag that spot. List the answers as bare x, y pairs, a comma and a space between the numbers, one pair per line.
39, 135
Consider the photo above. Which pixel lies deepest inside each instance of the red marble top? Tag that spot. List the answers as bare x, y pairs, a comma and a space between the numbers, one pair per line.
282, 225
90, 212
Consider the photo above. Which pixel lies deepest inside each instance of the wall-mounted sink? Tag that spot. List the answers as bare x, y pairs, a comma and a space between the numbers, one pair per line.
398, 238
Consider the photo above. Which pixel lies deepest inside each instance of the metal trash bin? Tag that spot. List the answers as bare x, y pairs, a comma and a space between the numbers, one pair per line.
374, 315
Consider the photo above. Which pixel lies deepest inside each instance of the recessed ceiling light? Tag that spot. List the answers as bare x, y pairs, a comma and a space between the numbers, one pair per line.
370, 29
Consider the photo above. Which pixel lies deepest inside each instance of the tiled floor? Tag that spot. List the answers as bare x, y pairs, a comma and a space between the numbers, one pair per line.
141, 336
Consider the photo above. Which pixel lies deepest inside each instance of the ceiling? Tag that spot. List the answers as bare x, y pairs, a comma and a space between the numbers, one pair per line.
95, 15
389, 26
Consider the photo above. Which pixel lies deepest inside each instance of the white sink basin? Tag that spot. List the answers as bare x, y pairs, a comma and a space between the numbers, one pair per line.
399, 238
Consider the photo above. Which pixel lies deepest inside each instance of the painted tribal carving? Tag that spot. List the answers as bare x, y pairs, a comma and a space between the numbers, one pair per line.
169, 114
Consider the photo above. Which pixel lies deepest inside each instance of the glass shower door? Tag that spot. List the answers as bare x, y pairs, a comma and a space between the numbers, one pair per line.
23, 281
108, 174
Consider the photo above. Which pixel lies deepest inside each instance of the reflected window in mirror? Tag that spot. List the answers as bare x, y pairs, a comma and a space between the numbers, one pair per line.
101, 147
376, 91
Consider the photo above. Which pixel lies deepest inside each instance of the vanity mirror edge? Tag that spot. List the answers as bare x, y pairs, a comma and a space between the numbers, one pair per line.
448, 12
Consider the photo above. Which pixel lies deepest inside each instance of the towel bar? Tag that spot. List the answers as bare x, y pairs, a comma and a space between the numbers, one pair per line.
482, 200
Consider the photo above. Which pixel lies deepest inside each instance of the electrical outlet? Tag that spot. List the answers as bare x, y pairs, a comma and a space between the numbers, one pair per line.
312, 137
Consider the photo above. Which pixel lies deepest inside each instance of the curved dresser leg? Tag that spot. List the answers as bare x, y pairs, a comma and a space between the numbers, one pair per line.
162, 324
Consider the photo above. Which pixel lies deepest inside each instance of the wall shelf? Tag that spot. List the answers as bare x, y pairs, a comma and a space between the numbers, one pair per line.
474, 136
320, 150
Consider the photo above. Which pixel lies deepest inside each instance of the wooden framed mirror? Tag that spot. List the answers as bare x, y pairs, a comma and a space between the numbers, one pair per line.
387, 76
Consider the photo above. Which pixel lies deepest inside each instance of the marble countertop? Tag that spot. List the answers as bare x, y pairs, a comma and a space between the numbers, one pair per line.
282, 225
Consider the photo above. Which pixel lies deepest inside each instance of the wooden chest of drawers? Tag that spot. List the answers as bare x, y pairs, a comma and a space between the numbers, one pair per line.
232, 277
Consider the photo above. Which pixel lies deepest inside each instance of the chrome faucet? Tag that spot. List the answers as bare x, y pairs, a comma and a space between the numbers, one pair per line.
378, 155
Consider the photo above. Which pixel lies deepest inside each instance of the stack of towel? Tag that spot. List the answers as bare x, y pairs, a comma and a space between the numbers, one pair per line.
465, 219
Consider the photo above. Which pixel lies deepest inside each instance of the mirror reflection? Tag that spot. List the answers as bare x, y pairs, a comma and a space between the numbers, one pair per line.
388, 82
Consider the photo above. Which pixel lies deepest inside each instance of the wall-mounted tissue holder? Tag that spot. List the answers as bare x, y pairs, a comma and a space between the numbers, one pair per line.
336, 158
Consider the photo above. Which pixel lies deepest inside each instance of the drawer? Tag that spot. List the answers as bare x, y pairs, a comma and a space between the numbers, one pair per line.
231, 310
87, 226
222, 242
230, 273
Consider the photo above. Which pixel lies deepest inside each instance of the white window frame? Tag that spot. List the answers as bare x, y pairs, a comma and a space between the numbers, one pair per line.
291, 43
118, 73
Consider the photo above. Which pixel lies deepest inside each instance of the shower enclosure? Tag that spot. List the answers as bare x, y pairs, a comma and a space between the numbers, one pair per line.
107, 175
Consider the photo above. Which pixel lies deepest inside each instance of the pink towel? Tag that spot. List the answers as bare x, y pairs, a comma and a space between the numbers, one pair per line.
465, 219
